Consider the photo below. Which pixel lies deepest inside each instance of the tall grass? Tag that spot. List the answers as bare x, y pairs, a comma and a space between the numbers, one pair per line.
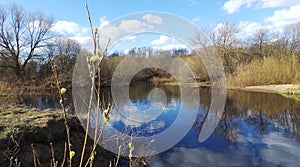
7, 93
270, 70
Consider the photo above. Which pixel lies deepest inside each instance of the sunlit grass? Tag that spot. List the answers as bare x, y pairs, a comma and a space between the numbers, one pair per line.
291, 92
270, 70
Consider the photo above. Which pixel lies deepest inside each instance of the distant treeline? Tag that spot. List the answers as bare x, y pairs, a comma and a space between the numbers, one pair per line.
266, 57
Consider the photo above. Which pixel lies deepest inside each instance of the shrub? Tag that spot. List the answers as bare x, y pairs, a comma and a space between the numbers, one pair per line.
270, 70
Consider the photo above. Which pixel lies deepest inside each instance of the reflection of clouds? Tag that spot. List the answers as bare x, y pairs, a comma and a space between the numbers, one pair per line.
134, 117
271, 150
155, 125
282, 152
184, 157
265, 123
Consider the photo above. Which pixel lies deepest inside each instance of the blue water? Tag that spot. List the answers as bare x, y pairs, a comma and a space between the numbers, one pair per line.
256, 129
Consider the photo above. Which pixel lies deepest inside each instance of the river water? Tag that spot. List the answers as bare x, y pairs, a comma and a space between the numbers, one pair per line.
256, 129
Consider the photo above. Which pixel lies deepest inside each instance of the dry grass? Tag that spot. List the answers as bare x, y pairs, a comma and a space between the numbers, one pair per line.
7, 93
270, 70
291, 92
14, 119
5, 86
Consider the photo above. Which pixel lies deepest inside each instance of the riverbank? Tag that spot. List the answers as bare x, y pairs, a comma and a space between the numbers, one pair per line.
287, 90
267, 88
21, 127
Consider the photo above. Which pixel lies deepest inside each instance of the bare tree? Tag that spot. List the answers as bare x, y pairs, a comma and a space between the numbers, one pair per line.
224, 34
21, 35
64, 46
224, 39
260, 38
63, 51
291, 37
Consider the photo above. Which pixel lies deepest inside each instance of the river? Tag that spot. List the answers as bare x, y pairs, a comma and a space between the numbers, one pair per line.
255, 129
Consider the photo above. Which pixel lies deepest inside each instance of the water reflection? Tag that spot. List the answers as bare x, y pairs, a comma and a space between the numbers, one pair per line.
256, 129
41, 102
45, 101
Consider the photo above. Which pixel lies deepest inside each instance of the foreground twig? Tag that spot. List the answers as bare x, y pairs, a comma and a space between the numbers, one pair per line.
61, 92
94, 70
36, 161
53, 163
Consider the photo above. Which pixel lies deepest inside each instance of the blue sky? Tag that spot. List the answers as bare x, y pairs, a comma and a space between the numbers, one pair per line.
249, 15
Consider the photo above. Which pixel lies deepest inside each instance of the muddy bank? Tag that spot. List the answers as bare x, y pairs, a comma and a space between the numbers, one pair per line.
20, 127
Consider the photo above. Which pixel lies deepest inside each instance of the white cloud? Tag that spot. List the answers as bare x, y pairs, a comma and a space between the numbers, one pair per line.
277, 3
125, 28
196, 19
233, 6
85, 41
103, 22
134, 26
129, 38
68, 28
170, 47
247, 29
126, 51
74, 31
218, 27
285, 16
163, 39
166, 43
274, 23
153, 19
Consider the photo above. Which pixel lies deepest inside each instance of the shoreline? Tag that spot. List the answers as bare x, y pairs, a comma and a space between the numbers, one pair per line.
283, 89
280, 88
287, 90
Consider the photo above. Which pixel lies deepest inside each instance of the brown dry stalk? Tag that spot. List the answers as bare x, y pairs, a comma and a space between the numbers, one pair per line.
93, 69
36, 160
65, 155
92, 88
61, 101
53, 162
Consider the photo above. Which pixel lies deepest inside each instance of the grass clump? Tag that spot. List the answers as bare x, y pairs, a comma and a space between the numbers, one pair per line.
291, 92
15, 120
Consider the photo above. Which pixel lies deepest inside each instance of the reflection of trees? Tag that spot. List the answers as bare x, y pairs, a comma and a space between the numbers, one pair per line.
260, 122
227, 126
290, 123
269, 103
268, 112
264, 112
141, 90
